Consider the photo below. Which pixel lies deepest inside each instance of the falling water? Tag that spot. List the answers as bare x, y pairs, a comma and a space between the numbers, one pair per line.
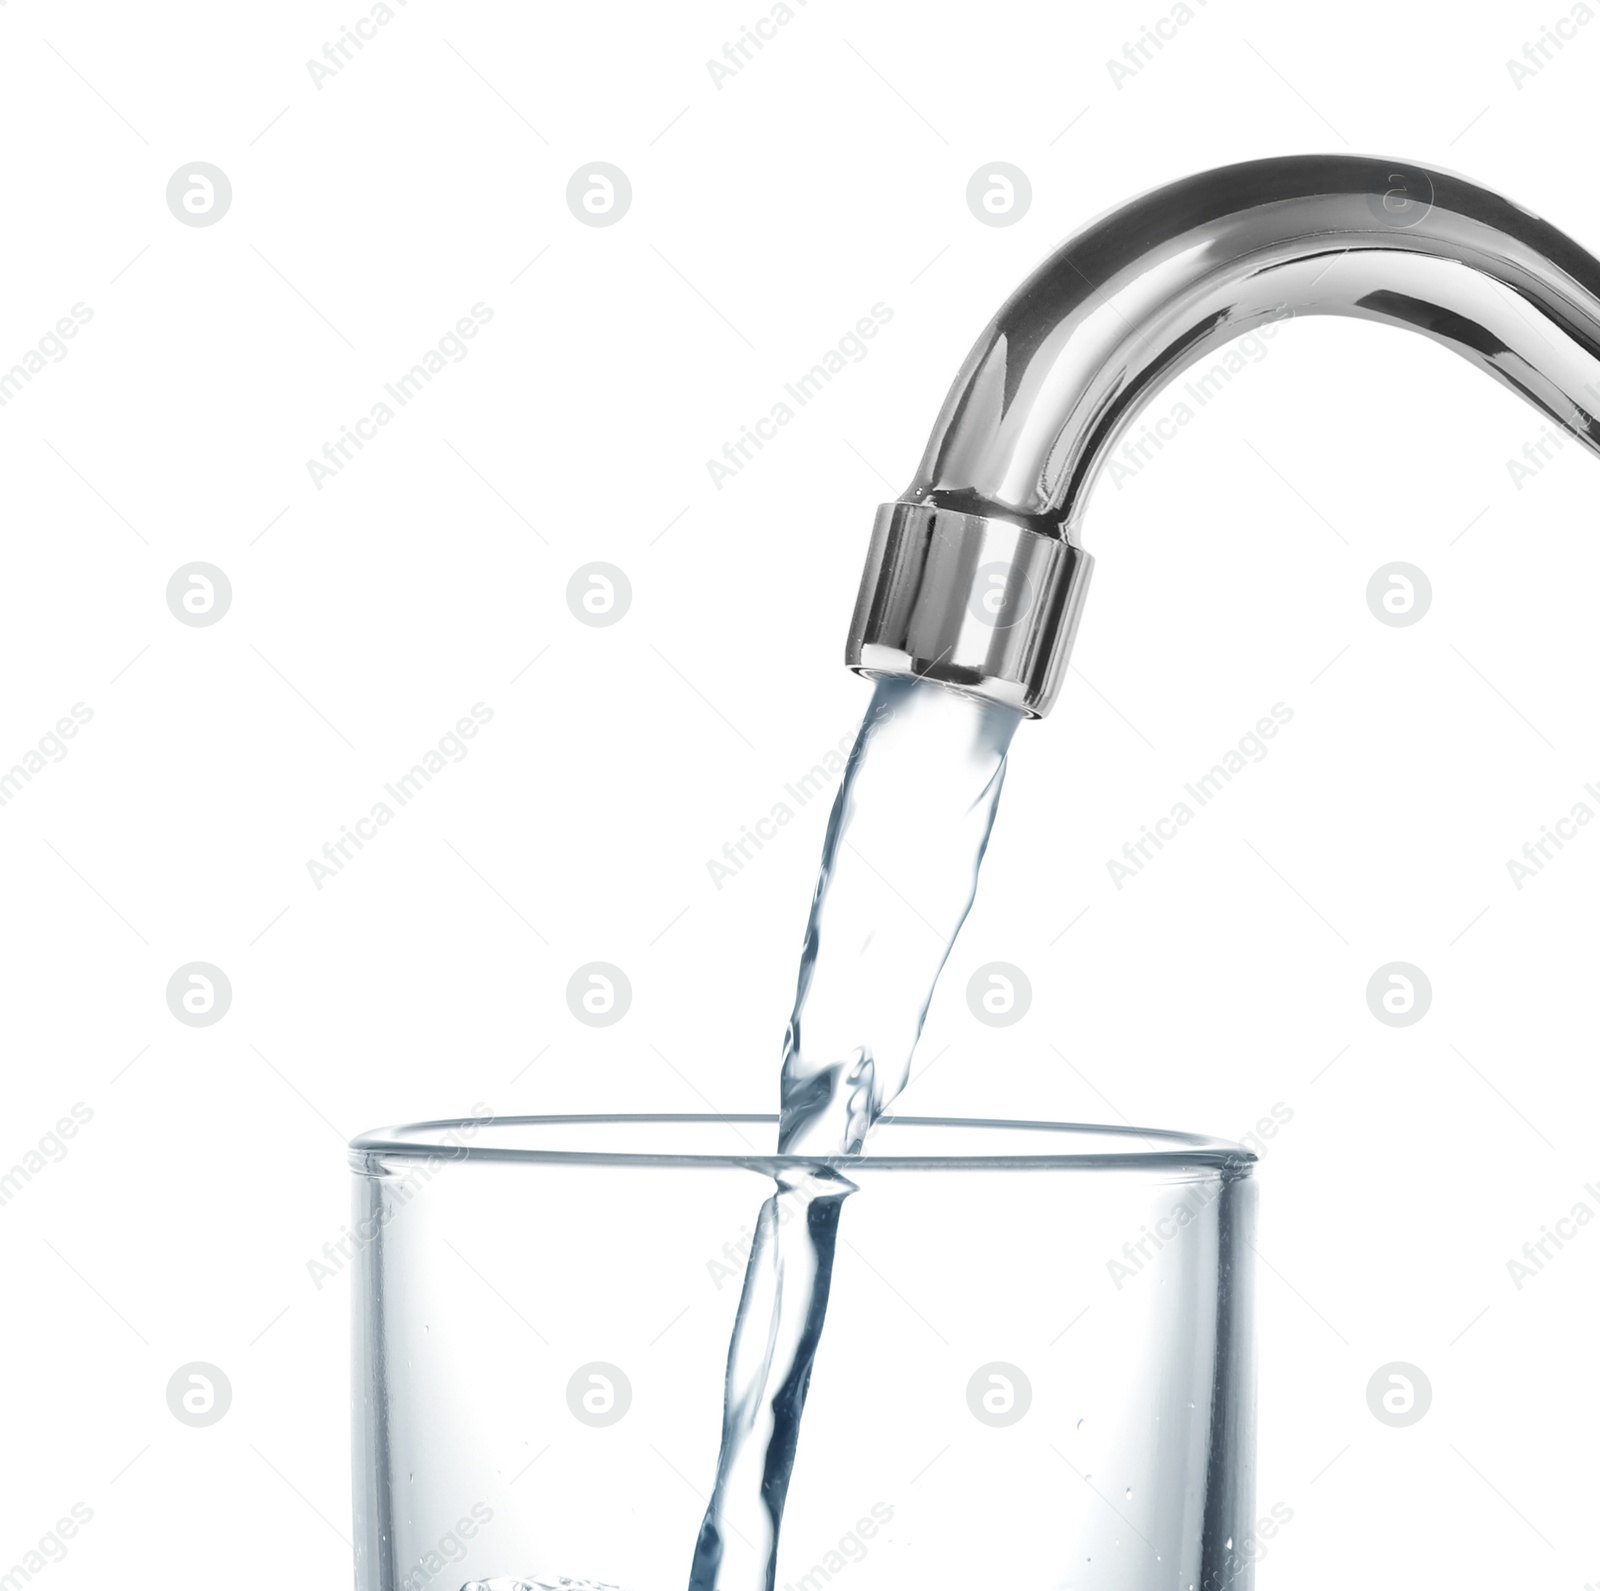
899, 868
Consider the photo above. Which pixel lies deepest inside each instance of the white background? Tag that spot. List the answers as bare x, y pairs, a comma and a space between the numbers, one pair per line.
768, 216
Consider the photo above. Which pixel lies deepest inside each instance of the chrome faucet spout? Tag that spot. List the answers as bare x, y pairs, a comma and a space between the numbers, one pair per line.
975, 577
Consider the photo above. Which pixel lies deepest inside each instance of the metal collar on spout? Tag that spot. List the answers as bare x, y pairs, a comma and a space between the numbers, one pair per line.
975, 578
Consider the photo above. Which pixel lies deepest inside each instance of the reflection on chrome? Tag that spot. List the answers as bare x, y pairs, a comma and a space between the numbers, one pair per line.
975, 578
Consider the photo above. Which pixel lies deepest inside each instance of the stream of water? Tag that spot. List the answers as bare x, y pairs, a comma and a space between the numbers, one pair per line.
899, 868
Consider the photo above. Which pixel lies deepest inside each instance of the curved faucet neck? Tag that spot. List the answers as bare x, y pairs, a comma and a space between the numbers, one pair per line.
975, 578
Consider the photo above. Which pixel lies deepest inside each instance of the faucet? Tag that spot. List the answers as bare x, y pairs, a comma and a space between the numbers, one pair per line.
975, 577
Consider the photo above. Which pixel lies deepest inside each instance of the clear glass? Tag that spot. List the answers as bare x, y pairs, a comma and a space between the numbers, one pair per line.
1036, 1370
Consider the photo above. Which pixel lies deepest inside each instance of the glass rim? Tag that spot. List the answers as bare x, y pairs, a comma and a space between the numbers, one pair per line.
455, 1140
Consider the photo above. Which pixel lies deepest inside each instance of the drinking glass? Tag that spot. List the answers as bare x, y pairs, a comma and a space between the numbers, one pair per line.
1035, 1373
